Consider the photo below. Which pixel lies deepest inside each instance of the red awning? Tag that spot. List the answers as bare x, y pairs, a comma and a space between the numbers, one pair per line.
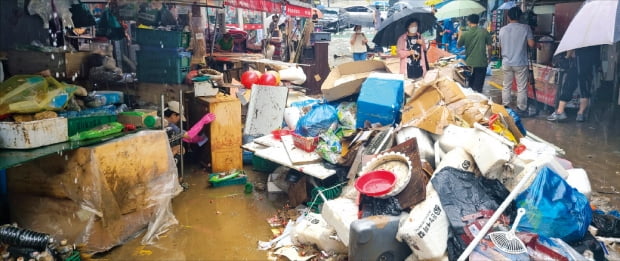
298, 11
255, 5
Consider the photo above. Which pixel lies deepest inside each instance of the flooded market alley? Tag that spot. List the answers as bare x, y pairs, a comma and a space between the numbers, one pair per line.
214, 224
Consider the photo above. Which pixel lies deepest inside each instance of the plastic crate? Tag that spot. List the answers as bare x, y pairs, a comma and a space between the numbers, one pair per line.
262, 165
236, 181
162, 74
85, 123
162, 39
305, 143
163, 57
247, 157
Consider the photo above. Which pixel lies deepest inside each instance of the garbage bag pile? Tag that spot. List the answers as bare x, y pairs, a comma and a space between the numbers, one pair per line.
28, 98
443, 174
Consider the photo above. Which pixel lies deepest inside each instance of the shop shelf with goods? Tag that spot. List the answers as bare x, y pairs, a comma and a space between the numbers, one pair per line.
162, 39
162, 65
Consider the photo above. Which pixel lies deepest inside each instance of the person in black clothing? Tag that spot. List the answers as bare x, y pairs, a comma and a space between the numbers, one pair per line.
579, 66
439, 34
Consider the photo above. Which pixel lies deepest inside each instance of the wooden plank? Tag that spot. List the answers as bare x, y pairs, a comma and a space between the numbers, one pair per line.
297, 193
268, 140
415, 192
266, 109
278, 155
226, 128
226, 160
297, 155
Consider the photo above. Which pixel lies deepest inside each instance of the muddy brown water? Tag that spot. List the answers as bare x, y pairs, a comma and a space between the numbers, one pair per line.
214, 224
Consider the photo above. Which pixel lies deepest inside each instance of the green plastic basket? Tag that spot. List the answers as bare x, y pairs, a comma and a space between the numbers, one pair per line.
161, 74
163, 39
79, 124
262, 165
236, 181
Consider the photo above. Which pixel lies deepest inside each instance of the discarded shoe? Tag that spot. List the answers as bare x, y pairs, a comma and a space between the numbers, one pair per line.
557, 116
580, 118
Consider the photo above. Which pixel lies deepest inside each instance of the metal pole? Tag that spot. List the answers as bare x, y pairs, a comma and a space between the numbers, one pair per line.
163, 107
182, 110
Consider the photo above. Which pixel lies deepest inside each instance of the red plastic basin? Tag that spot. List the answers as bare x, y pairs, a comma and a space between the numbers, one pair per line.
376, 183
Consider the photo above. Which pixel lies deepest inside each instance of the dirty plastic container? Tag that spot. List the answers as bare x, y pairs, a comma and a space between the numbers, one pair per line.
374, 238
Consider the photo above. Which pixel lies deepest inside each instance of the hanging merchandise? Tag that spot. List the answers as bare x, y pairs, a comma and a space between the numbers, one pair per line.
110, 27
555, 209
81, 16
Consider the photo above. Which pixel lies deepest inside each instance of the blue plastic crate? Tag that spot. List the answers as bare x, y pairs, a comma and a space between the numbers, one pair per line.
381, 99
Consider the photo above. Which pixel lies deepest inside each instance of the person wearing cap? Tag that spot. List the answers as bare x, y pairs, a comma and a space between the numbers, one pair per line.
172, 115
226, 43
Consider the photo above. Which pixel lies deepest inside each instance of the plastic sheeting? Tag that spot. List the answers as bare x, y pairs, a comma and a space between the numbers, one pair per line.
99, 196
554, 208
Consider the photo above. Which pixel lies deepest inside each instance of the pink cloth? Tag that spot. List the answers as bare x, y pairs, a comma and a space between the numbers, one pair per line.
401, 45
193, 133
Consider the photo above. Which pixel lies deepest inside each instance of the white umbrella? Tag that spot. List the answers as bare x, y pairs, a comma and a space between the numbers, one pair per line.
596, 23
507, 5
458, 8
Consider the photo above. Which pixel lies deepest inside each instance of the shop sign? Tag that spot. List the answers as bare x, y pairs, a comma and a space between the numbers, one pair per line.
298, 11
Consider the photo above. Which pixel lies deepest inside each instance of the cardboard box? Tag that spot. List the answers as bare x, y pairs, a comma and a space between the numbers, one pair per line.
346, 79
427, 108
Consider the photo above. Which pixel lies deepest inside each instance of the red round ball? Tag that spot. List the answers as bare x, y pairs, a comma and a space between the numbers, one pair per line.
248, 78
268, 79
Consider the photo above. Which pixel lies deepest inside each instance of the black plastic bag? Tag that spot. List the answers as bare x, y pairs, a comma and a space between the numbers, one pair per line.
81, 16
462, 193
590, 243
607, 225
371, 206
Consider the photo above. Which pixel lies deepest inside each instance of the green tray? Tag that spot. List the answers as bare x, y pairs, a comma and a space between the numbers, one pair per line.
236, 181
78, 124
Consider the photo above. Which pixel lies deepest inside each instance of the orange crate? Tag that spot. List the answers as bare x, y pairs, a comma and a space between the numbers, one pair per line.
305, 143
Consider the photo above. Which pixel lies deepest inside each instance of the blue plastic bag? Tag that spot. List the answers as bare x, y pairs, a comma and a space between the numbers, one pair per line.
317, 120
554, 208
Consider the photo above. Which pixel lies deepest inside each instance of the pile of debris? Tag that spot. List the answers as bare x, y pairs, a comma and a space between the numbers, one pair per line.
427, 170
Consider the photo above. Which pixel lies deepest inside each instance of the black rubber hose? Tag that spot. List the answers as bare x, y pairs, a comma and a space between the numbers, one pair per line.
18, 237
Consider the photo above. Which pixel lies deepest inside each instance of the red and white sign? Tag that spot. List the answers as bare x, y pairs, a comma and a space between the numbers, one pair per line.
298, 11
248, 27
256, 5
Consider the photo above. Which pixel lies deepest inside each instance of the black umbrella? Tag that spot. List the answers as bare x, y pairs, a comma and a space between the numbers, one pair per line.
397, 24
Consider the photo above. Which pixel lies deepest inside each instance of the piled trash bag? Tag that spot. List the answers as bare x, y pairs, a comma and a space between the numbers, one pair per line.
469, 167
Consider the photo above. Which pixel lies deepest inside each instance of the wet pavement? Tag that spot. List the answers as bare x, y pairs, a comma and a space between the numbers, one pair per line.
226, 224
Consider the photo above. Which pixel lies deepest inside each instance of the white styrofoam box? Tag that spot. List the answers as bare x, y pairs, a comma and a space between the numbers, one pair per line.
578, 179
312, 229
33, 134
204, 89
425, 144
340, 213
